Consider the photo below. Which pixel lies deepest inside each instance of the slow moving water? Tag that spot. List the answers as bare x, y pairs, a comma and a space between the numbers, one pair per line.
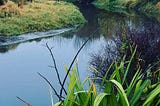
22, 57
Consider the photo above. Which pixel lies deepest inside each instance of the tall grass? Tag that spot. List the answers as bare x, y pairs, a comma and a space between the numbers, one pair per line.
114, 91
114, 88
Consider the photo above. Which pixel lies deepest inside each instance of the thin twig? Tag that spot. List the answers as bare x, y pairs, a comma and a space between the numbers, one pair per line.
60, 97
24, 101
65, 78
55, 67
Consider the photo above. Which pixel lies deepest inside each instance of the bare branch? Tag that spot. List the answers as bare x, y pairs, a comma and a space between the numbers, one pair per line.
50, 86
24, 101
65, 78
56, 69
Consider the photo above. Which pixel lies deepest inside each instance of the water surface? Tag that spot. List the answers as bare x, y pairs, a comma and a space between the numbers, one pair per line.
21, 59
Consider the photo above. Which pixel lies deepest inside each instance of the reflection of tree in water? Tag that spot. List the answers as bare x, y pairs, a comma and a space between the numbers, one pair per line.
4, 49
90, 14
108, 22
145, 36
7, 47
110, 25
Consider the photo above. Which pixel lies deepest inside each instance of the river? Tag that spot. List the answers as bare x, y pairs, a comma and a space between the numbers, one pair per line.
23, 56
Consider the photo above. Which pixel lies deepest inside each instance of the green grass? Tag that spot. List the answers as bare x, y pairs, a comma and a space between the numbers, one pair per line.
120, 6
38, 16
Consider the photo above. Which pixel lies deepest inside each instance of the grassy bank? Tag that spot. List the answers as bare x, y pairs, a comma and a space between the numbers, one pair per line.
146, 7
37, 16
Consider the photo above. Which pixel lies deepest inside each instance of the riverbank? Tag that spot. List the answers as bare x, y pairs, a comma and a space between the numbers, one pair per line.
37, 16
149, 8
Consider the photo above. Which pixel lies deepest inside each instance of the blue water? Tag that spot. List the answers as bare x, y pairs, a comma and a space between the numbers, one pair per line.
19, 67
23, 56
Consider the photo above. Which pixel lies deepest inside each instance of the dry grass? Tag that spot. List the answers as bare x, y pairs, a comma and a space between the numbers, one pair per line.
158, 5
9, 9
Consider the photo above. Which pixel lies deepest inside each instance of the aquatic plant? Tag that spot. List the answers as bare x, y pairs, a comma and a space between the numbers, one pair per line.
114, 88
114, 91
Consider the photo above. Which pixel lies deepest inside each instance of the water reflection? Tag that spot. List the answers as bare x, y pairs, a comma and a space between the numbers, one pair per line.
138, 30
25, 59
5, 49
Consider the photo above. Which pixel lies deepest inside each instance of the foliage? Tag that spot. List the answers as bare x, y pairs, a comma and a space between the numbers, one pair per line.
150, 8
147, 7
114, 91
38, 16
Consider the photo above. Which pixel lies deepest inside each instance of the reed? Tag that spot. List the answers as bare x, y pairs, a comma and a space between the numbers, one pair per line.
114, 88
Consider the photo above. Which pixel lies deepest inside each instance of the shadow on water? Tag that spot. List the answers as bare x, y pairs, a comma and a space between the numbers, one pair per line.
119, 29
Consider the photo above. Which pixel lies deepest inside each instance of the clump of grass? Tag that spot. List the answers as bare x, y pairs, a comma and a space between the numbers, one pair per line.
40, 16
9, 9
158, 5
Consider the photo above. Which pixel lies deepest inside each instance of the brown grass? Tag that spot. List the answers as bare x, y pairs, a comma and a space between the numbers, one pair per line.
9, 9
158, 5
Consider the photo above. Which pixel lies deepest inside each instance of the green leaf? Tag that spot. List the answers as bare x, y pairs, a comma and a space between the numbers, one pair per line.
58, 104
133, 82
69, 101
122, 93
106, 74
99, 99
81, 97
111, 100
108, 87
128, 66
117, 73
152, 95
138, 92
89, 95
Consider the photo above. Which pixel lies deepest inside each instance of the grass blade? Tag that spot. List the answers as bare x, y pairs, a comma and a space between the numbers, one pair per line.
152, 95
99, 98
128, 66
138, 93
122, 93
